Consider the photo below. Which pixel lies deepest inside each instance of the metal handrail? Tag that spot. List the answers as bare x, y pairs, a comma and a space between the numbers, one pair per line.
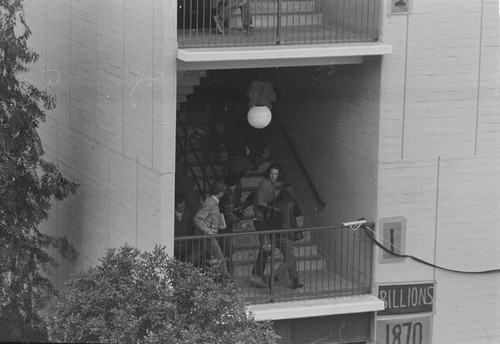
288, 139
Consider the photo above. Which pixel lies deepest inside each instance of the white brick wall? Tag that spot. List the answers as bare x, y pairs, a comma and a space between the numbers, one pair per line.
439, 160
335, 132
111, 65
435, 161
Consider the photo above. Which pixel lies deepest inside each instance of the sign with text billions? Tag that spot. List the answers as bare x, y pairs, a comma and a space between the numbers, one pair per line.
406, 298
403, 330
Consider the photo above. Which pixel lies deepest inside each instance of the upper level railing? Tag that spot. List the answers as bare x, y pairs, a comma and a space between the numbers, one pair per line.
330, 261
276, 22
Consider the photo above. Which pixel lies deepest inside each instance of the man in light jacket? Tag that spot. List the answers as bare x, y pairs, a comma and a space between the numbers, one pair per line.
207, 222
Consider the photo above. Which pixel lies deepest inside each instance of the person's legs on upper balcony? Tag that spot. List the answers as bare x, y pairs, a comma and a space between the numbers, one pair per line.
246, 17
224, 10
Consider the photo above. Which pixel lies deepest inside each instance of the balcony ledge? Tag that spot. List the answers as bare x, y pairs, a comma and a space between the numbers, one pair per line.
278, 56
316, 308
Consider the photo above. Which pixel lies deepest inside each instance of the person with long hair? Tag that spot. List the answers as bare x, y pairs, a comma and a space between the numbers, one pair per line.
265, 193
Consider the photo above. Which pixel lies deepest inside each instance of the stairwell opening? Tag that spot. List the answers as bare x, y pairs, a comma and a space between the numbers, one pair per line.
330, 114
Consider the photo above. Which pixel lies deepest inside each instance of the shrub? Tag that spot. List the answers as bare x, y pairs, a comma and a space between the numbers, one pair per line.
134, 297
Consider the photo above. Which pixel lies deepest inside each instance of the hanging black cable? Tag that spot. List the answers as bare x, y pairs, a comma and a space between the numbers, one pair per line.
367, 227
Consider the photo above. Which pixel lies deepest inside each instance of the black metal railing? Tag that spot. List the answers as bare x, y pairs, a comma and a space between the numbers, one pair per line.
276, 22
330, 261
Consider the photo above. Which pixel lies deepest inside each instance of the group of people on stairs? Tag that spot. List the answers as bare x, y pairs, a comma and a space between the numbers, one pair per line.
223, 209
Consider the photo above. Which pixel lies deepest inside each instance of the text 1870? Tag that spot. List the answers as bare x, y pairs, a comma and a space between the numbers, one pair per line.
404, 330
405, 333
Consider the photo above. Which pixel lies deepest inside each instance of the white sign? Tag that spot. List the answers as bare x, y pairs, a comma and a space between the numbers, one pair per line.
399, 6
403, 330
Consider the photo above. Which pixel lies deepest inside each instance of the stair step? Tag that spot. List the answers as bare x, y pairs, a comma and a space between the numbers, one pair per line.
251, 240
181, 98
195, 145
196, 133
220, 169
251, 181
247, 190
189, 80
270, 21
313, 263
215, 163
214, 154
198, 118
191, 73
243, 256
271, 7
215, 157
251, 255
184, 89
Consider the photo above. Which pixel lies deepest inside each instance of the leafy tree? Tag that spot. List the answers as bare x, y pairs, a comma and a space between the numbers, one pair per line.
134, 297
28, 183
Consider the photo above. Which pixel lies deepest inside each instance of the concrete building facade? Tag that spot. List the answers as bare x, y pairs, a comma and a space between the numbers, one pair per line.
408, 140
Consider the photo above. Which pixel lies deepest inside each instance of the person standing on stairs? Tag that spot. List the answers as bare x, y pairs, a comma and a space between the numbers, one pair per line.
208, 220
283, 215
265, 193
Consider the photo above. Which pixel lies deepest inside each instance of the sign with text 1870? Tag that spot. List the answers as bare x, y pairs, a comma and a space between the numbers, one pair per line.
406, 298
404, 330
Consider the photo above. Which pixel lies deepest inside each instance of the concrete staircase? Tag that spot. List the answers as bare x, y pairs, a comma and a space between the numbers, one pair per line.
186, 81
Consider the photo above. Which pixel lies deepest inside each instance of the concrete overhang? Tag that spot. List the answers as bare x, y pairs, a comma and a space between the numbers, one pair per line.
316, 308
278, 56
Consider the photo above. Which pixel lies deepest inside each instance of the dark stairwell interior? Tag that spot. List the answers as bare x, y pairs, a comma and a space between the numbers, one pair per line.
331, 261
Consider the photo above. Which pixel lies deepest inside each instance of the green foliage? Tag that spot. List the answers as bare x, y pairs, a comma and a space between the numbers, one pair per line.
28, 184
134, 297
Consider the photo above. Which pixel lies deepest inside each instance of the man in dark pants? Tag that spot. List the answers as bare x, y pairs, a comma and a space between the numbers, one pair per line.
264, 194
